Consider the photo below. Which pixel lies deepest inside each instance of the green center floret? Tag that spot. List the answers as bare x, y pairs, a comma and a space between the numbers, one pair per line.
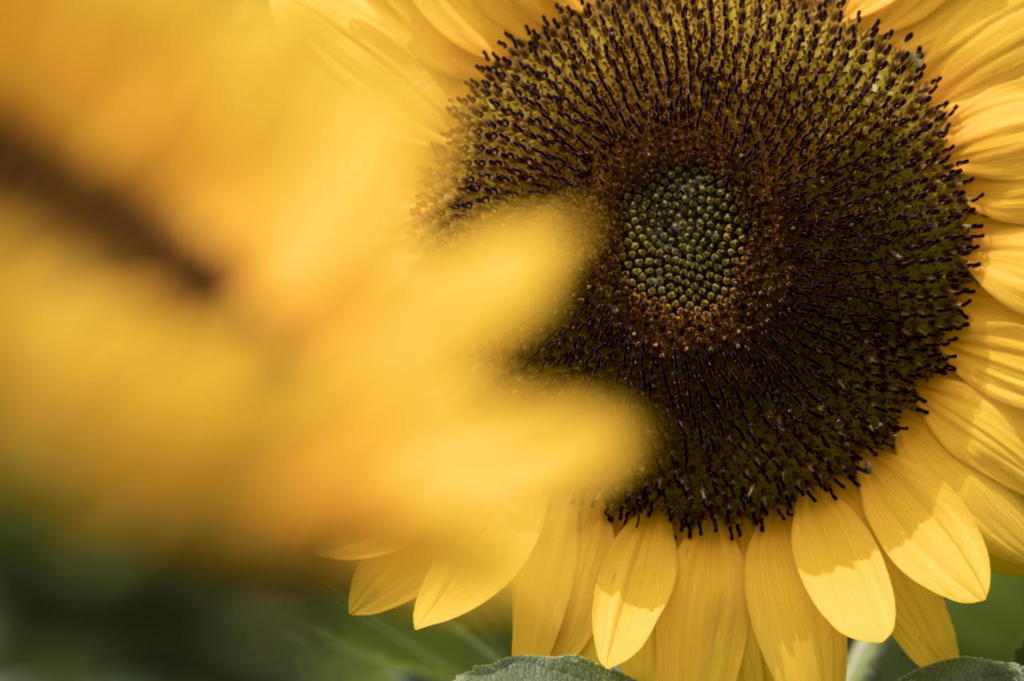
682, 238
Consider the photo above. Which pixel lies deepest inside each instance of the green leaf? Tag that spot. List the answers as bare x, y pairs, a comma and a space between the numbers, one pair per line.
1019, 653
530, 668
968, 669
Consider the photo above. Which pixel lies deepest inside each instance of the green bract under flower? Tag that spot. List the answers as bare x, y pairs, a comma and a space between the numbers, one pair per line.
787, 233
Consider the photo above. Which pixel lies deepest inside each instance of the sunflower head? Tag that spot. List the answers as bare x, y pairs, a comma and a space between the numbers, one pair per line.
787, 253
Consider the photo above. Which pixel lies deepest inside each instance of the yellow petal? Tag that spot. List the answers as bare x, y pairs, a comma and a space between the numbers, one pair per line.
643, 665
494, 553
1000, 515
990, 352
1000, 257
448, 37
904, 13
992, 99
703, 631
944, 33
541, 591
923, 628
992, 55
998, 511
981, 433
867, 7
475, 26
596, 536
359, 550
894, 14
798, 644
999, 200
945, 30
380, 584
469, 30
988, 130
921, 522
360, 47
842, 569
632, 589
753, 667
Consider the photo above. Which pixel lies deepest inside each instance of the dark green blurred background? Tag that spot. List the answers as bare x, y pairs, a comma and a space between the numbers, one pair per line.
81, 610
76, 611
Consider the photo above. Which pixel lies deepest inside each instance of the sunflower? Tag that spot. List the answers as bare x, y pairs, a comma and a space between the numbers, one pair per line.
202, 341
810, 267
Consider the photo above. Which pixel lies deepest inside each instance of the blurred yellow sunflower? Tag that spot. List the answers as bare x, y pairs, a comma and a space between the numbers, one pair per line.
221, 326
798, 200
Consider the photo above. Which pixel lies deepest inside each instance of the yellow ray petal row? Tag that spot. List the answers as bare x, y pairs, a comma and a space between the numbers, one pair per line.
932, 542
725, 608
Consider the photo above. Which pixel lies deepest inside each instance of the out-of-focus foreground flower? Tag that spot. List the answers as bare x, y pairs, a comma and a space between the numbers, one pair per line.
220, 321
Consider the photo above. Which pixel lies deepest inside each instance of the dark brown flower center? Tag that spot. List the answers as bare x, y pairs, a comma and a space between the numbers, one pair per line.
787, 234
